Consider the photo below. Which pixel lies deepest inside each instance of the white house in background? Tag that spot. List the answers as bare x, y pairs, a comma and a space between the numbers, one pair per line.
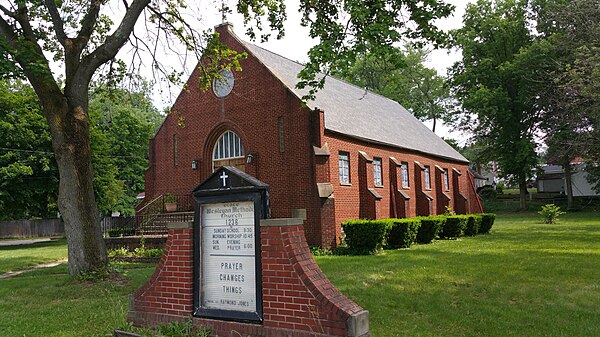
553, 180
486, 174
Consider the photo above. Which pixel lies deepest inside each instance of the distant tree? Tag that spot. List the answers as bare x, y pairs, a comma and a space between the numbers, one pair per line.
454, 143
497, 81
571, 98
402, 76
125, 121
28, 173
122, 124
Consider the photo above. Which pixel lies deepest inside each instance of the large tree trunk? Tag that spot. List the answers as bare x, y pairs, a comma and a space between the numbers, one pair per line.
568, 184
69, 126
523, 195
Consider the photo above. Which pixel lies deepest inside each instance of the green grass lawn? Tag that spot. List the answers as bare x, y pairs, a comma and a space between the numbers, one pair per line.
524, 279
21, 257
47, 303
517, 191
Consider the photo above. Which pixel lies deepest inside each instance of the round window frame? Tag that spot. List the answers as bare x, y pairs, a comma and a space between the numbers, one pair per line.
224, 85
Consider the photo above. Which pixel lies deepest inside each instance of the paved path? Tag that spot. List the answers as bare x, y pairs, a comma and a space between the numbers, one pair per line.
43, 265
23, 242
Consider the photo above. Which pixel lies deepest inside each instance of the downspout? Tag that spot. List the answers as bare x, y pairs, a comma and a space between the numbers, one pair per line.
475, 191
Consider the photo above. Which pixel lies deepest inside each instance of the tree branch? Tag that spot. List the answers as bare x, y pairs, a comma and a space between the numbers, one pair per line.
56, 21
7, 11
161, 16
113, 43
23, 19
7, 31
87, 25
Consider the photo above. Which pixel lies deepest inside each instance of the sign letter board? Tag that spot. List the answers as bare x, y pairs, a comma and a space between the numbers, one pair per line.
227, 272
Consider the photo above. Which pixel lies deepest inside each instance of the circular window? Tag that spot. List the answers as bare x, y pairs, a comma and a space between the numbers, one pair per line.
223, 86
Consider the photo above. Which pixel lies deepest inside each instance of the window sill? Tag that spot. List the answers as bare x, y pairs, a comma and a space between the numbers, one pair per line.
378, 186
345, 184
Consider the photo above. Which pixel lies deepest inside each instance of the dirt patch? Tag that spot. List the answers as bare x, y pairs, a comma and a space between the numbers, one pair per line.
14, 273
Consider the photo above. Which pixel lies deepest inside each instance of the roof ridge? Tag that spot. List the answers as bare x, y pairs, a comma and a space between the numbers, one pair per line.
396, 126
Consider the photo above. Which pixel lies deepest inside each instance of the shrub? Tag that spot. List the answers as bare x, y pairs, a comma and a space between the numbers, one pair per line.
487, 221
123, 251
147, 252
115, 232
318, 251
403, 232
500, 188
487, 192
448, 211
169, 198
454, 226
473, 224
430, 228
550, 212
119, 231
365, 236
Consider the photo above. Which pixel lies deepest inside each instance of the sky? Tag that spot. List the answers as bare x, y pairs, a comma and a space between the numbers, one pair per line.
296, 43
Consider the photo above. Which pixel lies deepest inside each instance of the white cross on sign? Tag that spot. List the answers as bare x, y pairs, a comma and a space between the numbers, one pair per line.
224, 178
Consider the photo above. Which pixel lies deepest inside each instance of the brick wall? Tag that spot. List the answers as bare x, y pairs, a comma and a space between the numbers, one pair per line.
348, 197
298, 299
168, 294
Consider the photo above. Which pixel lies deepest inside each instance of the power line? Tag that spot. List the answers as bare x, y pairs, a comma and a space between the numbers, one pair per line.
52, 153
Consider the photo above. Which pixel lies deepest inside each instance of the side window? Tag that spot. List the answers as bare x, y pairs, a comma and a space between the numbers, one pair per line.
377, 175
427, 178
280, 132
446, 183
175, 154
404, 172
344, 167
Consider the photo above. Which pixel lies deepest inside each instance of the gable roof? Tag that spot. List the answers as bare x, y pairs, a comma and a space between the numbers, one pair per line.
357, 112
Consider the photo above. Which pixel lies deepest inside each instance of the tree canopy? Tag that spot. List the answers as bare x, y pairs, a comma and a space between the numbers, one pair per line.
122, 123
28, 173
497, 82
571, 99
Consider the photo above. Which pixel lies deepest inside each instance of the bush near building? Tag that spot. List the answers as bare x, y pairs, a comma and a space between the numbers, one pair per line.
370, 236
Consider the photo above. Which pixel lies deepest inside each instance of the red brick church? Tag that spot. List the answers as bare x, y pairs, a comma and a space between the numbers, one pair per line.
346, 154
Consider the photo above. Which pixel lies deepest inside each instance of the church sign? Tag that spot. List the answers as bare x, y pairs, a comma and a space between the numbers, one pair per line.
228, 209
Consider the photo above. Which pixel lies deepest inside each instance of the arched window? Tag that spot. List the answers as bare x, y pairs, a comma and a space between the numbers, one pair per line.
228, 151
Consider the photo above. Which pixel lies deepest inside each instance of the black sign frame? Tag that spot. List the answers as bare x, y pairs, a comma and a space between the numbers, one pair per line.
233, 315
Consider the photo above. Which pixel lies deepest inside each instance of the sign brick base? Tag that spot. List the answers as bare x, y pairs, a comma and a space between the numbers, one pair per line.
298, 299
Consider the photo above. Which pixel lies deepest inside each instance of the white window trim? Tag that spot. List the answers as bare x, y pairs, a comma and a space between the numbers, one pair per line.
377, 169
404, 174
344, 167
427, 178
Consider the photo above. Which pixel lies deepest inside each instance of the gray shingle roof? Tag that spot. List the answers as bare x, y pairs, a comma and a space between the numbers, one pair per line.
352, 111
